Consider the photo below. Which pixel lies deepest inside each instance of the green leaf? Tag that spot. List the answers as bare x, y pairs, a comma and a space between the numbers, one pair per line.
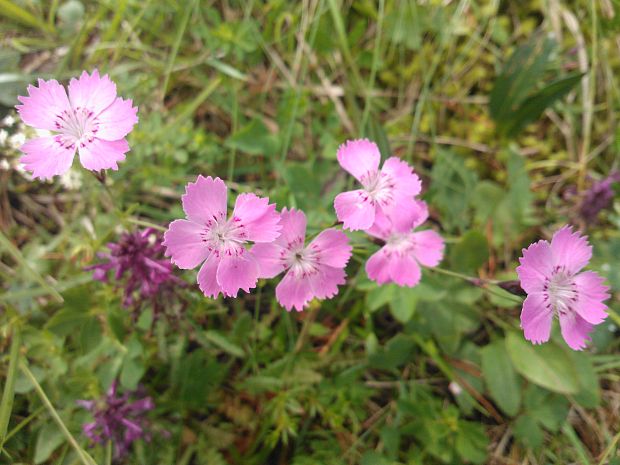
472, 442
471, 252
501, 377
452, 188
132, 372
221, 341
519, 76
533, 106
545, 365
589, 395
254, 139
395, 353
403, 303
48, 440
528, 432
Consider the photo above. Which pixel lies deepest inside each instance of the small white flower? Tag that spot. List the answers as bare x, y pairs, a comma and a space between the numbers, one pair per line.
4, 165
4, 135
8, 121
17, 140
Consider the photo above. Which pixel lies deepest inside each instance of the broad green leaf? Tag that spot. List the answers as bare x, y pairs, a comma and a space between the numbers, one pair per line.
546, 365
528, 432
403, 303
48, 440
471, 252
589, 395
501, 378
131, 373
254, 139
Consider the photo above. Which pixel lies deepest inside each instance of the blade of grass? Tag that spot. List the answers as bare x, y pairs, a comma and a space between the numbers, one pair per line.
8, 393
22, 424
85, 458
374, 65
175, 46
569, 432
14, 252
16, 13
609, 449
189, 110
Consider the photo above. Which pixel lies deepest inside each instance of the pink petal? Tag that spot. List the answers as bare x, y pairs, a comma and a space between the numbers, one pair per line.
268, 257
570, 250
377, 267
324, 284
205, 200
92, 92
184, 244
536, 319
259, 218
575, 330
293, 292
359, 157
333, 248
404, 270
117, 120
207, 277
428, 248
382, 226
43, 104
103, 154
237, 272
403, 214
355, 210
45, 158
536, 265
293, 224
407, 182
591, 293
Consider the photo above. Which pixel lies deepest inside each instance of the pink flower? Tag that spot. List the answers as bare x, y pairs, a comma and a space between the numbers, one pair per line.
314, 270
91, 120
207, 236
550, 274
399, 260
384, 192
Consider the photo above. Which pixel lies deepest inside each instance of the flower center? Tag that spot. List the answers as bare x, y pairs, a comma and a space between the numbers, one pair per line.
560, 291
225, 237
302, 261
379, 187
399, 243
77, 125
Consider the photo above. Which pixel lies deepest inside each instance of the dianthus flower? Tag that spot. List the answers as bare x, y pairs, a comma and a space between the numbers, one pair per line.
551, 276
312, 271
208, 236
118, 419
387, 191
138, 264
91, 120
399, 260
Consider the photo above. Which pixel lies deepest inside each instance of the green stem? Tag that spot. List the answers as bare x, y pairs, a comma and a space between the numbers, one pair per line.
85, 458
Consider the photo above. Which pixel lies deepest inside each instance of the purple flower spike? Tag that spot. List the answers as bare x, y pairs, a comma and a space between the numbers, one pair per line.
598, 197
138, 264
118, 419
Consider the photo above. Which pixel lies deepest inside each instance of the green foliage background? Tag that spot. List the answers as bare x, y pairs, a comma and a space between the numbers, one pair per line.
508, 110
